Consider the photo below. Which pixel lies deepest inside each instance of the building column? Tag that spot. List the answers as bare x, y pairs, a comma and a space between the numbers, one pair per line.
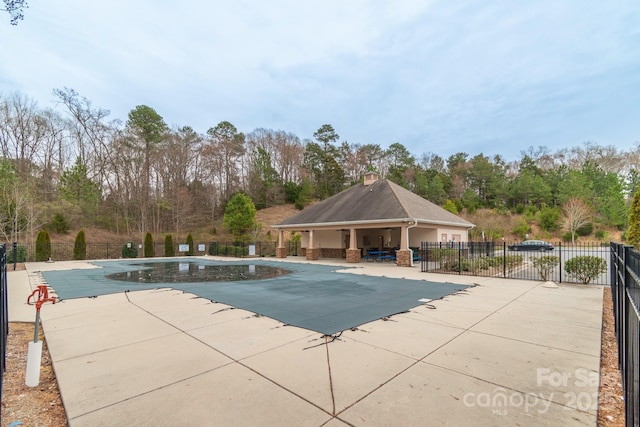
313, 253
281, 250
353, 253
404, 241
403, 255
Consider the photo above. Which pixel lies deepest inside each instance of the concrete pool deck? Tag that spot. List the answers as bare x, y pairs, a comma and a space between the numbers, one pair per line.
505, 352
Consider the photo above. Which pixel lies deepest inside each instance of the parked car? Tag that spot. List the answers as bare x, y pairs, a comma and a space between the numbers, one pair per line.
531, 245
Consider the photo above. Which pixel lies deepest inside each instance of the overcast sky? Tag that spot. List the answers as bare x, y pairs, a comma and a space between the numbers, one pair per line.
492, 77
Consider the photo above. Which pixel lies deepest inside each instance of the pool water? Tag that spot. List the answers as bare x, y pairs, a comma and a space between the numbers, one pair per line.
191, 272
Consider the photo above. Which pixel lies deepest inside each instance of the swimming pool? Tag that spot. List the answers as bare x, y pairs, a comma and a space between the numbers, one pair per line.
311, 296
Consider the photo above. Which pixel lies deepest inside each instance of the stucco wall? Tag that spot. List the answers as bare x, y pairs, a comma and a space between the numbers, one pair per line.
383, 237
418, 235
447, 234
324, 239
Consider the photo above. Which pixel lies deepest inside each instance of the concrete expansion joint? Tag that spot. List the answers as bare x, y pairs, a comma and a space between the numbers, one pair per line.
333, 398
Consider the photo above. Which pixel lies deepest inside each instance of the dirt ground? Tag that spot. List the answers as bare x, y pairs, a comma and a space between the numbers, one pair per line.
39, 406
42, 405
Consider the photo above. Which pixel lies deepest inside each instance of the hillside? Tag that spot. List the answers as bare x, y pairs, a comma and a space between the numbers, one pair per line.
483, 218
274, 215
266, 217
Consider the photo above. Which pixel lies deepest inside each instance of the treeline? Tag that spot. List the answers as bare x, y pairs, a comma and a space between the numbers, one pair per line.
72, 164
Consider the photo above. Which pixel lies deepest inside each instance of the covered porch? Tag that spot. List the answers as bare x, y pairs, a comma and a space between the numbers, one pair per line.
395, 241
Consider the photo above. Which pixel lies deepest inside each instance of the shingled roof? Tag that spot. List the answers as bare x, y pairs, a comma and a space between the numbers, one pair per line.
381, 201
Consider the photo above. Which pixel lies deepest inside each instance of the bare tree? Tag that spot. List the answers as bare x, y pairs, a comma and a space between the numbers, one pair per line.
284, 149
489, 226
88, 131
543, 157
287, 156
577, 214
124, 186
608, 157
213, 178
259, 140
177, 172
85, 124
15, 8
21, 130
432, 161
631, 161
17, 213
53, 153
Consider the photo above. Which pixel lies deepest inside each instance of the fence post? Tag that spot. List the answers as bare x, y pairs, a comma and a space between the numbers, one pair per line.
4, 313
620, 295
622, 331
15, 255
560, 257
626, 326
504, 259
459, 257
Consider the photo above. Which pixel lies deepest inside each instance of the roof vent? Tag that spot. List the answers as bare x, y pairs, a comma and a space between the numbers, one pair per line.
370, 178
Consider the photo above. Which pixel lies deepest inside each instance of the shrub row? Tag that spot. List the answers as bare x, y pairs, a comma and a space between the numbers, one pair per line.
450, 261
582, 268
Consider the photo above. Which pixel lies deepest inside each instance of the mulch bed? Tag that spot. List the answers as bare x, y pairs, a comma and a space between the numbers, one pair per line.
610, 397
29, 406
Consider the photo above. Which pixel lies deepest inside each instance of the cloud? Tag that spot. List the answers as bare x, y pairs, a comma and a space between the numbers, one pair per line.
433, 75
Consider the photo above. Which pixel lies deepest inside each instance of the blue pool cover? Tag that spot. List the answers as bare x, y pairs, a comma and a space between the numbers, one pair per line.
313, 296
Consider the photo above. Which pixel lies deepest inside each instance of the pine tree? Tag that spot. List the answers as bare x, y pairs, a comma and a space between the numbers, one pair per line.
240, 216
633, 232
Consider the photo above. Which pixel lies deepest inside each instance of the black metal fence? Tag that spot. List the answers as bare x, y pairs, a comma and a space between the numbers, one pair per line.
258, 249
64, 251
586, 263
4, 315
625, 293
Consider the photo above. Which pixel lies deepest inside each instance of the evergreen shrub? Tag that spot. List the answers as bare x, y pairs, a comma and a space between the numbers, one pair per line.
80, 246
43, 246
130, 250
